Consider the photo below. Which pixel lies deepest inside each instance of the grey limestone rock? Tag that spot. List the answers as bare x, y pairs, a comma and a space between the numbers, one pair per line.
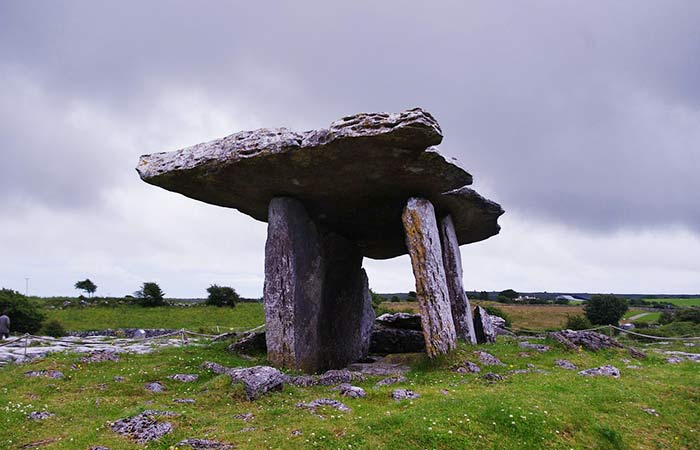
605, 371
400, 320
303, 380
423, 243
247, 169
539, 347
488, 359
385, 340
347, 390
565, 364
144, 427
184, 377
155, 386
258, 380
315, 404
492, 377
452, 261
333, 377
404, 394
54, 374
391, 380
40, 415
485, 326
468, 367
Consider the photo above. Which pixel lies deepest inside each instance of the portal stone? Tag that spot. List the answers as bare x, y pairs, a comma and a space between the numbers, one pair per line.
423, 243
452, 260
318, 310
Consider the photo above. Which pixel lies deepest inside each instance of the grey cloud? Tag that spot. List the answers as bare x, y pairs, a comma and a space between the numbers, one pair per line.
583, 114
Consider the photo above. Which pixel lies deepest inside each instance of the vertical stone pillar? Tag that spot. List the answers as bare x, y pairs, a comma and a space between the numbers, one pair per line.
423, 242
293, 286
318, 311
452, 261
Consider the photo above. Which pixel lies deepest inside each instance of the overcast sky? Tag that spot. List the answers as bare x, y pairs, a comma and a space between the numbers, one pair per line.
581, 118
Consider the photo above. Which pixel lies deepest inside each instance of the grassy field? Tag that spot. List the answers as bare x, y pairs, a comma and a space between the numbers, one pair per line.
557, 410
195, 318
530, 317
648, 317
677, 301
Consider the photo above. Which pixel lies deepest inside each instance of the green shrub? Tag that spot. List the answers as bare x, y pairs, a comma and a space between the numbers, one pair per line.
578, 322
222, 296
640, 324
605, 309
25, 315
495, 311
687, 315
53, 328
395, 299
151, 295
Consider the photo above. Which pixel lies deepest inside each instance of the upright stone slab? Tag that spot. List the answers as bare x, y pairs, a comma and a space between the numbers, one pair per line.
452, 261
423, 243
346, 311
293, 289
318, 311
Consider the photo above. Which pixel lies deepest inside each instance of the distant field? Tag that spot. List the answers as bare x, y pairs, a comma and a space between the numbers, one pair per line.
205, 318
647, 317
531, 317
677, 301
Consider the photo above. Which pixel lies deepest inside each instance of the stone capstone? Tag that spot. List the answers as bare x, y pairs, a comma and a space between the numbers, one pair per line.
382, 158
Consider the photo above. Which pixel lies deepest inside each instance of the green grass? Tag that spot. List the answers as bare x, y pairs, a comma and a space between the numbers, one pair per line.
195, 318
559, 410
648, 317
677, 301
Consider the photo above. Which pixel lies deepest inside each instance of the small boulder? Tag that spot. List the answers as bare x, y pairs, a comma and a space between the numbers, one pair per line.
539, 347
184, 400
604, 371
144, 427
245, 417
565, 364
184, 378
204, 444
303, 380
333, 377
391, 380
347, 390
488, 359
468, 367
492, 377
313, 405
258, 380
155, 386
404, 394
40, 415
486, 326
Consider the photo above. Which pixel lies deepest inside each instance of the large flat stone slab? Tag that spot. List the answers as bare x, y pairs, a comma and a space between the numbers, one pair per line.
353, 178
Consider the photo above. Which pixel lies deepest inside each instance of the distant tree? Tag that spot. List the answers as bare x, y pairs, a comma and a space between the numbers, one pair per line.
376, 298
150, 295
605, 309
222, 296
412, 296
507, 296
562, 301
87, 286
25, 314
484, 295
395, 299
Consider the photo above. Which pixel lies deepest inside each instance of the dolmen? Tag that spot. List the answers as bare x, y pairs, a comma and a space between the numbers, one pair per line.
371, 185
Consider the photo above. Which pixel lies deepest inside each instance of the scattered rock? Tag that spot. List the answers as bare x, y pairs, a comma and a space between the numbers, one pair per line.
590, 340
492, 377
488, 359
296, 433
674, 360
250, 344
55, 374
99, 447
303, 380
36, 444
385, 340
391, 380
258, 380
528, 370
404, 394
400, 320
539, 347
245, 417
156, 386
100, 356
695, 357
313, 405
247, 429
633, 367
119, 379
184, 400
651, 411
486, 326
40, 415
347, 390
565, 364
379, 368
144, 427
333, 377
214, 367
468, 367
184, 378
524, 355
204, 444
605, 371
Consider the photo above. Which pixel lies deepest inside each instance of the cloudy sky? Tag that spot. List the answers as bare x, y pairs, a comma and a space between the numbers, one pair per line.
581, 118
